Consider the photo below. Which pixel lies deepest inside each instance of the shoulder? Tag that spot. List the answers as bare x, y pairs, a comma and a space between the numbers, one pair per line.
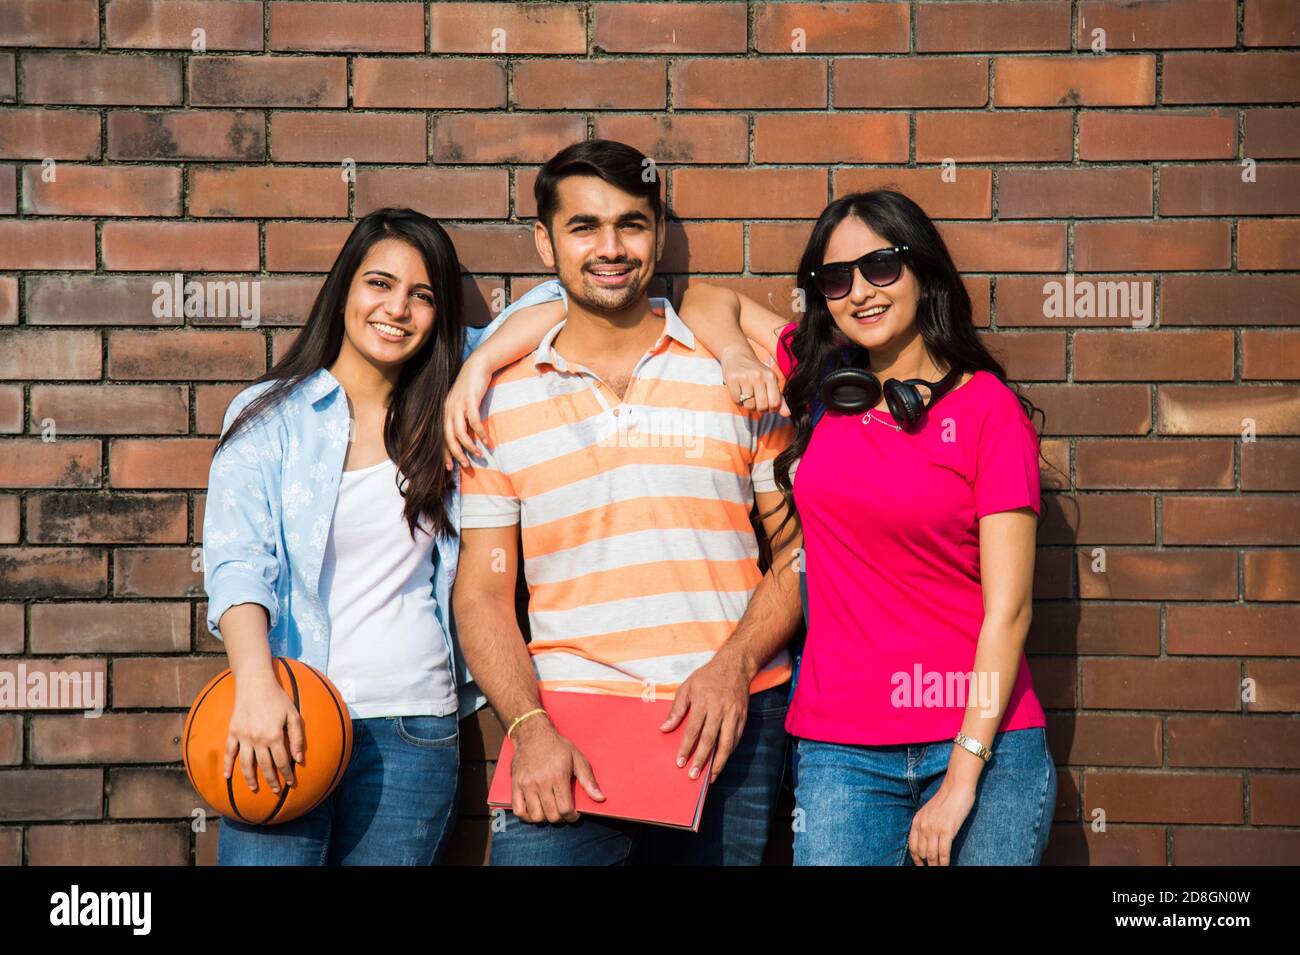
998, 402
517, 383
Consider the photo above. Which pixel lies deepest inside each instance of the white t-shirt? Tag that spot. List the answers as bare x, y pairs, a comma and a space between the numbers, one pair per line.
387, 655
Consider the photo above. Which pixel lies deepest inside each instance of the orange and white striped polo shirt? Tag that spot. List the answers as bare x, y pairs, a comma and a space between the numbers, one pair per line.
638, 551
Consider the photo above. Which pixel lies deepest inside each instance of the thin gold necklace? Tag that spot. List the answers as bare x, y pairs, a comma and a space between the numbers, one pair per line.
867, 417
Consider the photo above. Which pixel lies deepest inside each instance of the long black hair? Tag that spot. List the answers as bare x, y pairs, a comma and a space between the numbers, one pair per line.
943, 314
413, 427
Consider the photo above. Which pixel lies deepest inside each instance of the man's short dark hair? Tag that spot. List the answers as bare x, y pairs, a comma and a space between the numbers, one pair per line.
616, 163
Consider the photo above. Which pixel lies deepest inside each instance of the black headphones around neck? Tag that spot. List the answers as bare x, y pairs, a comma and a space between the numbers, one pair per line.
855, 390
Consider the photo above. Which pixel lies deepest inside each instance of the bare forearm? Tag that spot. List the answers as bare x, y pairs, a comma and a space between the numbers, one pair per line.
244, 632
772, 616
993, 677
518, 335
496, 653
713, 316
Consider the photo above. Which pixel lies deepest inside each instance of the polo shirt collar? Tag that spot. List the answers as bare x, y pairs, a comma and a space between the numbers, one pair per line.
674, 328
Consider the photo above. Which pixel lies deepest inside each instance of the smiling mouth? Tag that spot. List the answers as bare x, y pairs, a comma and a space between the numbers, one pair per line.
389, 332
869, 315
610, 274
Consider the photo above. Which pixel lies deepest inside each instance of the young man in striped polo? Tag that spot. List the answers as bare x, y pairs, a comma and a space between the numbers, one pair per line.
618, 452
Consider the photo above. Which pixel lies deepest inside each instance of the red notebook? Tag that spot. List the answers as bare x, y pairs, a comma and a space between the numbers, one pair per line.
635, 763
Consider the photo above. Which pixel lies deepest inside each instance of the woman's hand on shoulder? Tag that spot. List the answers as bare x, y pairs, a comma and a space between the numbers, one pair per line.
460, 413
752, 384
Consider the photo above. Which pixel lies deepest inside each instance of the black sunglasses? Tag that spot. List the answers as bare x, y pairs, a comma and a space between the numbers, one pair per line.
882, 267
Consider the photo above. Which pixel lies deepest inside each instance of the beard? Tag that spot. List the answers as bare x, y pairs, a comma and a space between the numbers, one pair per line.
602, 298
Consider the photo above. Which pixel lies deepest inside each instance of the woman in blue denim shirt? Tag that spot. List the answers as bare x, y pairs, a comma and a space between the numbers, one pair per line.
330, 537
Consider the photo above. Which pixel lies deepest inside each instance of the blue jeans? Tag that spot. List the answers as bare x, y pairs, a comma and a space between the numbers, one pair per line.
734, 825
854, 804
393, 806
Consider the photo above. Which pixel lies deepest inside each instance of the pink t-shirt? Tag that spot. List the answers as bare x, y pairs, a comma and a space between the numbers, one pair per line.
891, 540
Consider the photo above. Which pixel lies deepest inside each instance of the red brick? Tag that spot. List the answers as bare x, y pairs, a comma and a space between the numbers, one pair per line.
286, 81
34, 133
170, 24
1277, 686
137, 792
8, 300
1029, 356
8, 78
703, 247
1272, 23
1219, 191
110, 627
1184, 134
967, 196
1164, 797
170, 463
1054, 682
1093, 409
1014, 136
1272, 133
1217, 299
678, 28
11, 409
1270, 466
751, 83
1158, 24
1144, 354
10, 519
11, 753
495, 248
36, 244
1087, 80
590, 84
440, 83
210, 403
684, 138
41, 353
525, 28
1232, 629
776, 246
11, 621
161, 681
44, 572
1116, 845
306, 246
142, 246
333, 137
832, 27
1074, 193
197, 134
189, 355
1272, 575
1006, 246
1095, 628
830, 138
347, 27
889, 82
1268, 244
1257, 742
103, 191
159, 571
441, 193
1101, 519
1098, 739
1144, 574
111, 409
1231, 78
976, 27
73, 23
109, 844
1182, 465
88, 517
1248, 519
101, 79
94, 300
1155, 246
504, 137
51, 794
746, 193
1233, 847
1274, 799
1220, 409
1161, 684
37, 463
302, 191
1270, 355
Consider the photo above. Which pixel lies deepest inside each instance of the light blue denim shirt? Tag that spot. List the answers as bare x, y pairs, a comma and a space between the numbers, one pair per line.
271, 497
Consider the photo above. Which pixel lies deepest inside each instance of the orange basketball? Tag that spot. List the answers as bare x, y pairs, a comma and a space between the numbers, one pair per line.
326, 726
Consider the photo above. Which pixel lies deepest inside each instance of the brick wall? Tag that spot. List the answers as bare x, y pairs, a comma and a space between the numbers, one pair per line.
1169, 159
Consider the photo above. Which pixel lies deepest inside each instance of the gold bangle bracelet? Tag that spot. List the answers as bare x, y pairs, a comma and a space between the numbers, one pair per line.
520, 719
973, 746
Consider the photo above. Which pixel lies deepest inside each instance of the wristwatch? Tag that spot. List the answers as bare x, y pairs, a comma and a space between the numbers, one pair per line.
973, 746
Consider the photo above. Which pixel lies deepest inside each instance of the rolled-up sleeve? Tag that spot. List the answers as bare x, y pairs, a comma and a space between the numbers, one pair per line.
548, 291
239, 533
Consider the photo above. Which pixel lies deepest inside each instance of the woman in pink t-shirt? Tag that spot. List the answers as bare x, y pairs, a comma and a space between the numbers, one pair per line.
918, 734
